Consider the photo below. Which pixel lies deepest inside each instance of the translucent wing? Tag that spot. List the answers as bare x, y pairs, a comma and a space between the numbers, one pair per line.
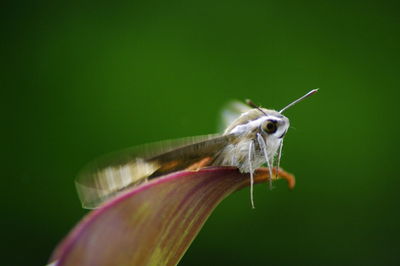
105, 177
230, 112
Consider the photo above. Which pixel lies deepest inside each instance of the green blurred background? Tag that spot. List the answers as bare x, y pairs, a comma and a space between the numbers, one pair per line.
82, 79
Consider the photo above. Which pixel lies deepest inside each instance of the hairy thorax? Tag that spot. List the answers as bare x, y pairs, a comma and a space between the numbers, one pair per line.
249, 146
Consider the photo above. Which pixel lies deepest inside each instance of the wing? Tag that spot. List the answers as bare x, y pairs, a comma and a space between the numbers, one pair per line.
230, 112
111, 174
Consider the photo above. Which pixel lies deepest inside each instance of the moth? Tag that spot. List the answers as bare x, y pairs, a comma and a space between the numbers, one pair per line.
252, 138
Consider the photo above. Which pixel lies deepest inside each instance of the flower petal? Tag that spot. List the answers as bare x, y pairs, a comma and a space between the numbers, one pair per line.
153, 223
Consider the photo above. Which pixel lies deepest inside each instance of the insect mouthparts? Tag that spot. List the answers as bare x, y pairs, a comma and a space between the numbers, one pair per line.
284, 133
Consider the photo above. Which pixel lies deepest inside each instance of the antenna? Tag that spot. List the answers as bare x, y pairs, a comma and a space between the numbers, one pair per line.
298, 100
252, 104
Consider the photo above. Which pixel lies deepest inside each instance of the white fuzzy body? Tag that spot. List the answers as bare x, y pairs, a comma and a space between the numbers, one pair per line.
238, 155
247, 130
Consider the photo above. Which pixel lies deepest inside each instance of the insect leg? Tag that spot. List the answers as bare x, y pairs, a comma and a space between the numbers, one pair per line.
263, 146
251, 174
279, 157
200, 164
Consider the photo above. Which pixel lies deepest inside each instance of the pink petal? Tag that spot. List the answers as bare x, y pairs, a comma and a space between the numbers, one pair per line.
153, 223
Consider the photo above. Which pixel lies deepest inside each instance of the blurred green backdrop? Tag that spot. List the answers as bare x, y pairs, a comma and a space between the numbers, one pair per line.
82, 79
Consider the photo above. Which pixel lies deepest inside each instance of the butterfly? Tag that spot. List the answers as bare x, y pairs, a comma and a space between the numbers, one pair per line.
253, 136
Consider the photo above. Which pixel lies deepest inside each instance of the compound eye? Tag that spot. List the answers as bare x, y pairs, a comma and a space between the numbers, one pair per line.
270, 126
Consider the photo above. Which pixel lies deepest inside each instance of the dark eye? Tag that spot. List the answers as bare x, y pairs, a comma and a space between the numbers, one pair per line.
270, 127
